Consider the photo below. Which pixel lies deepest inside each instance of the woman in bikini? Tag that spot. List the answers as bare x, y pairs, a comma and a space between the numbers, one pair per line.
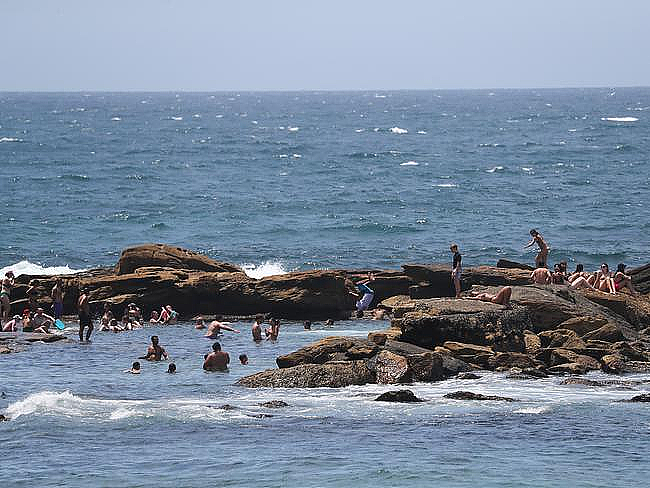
501, 298
5, 290
542, 256
621, 280
603, 280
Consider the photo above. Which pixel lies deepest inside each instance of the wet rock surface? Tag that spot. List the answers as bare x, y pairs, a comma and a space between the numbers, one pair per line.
468, 395
398, 396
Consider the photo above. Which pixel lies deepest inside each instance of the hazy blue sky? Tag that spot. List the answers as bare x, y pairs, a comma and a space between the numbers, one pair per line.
292, 45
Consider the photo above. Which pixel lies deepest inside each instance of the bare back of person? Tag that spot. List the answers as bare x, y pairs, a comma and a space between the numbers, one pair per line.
217, 361
541, 276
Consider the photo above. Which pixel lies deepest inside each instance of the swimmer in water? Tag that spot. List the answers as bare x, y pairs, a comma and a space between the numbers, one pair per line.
85, 320
171, 369
257, 328
243, 359
155, 352
215, 328
200, 323
135, 368
217, 360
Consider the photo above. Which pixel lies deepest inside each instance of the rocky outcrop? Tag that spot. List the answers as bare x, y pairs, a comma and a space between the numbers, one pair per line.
333, 374
398, 396
164, 256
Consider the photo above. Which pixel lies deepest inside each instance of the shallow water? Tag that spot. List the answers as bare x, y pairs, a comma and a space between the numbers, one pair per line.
92, 425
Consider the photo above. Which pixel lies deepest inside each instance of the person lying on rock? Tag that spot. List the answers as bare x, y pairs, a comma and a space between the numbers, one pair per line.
621, 280
155, 352
217, 360
541, 276
216, 326
501, 298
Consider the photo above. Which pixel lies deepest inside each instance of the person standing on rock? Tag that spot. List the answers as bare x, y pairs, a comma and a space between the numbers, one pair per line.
57, 297
456, 268
366, 293
256, 330
85, 320
5, 303
542, 256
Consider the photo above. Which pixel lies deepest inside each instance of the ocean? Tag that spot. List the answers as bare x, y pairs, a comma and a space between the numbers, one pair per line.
277, 182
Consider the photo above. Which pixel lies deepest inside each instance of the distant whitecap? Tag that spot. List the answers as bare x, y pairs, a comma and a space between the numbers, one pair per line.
446, 185
494, 169
619, 119
422, 132
177, 118
10, 139
116, 119
527, 170
293, 129
360, 130
398, 130
409, 163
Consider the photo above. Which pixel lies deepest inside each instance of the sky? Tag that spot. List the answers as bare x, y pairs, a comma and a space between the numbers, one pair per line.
200, 45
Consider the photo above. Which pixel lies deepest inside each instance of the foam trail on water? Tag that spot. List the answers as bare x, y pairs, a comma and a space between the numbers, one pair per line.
619, 119
398, 130
268, 268
28, 268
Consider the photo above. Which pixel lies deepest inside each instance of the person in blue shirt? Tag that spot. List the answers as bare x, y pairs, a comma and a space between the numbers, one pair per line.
366, 293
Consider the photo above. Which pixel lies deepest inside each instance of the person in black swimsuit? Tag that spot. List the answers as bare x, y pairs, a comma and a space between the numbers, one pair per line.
456, 268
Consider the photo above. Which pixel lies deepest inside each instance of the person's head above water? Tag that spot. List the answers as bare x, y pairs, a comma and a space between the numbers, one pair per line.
171, 369
243, 358
259, 318
9, 274
136, 366
216, 347
307, 324
533, 232
154, 340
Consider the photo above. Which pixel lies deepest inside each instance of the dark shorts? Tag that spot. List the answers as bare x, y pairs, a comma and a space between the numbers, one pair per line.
85, 320
58, 310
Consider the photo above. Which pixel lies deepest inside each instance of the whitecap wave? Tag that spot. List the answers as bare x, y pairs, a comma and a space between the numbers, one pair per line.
28, 268
619, 119
268, 268
422, 132
494, 169
293, 129
533, 410
398, 130
409, 163
116, 119
446, 185
10, 139
177, 118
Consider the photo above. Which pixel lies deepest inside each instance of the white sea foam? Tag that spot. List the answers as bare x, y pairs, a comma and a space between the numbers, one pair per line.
619, 119
379, 96
527, 170
116, 119
10, 139
446, 185
293, 129
494, 169
27, 268
409, 163
177, 118
268, 268
533, 410
360, 130
398, 130
422, 132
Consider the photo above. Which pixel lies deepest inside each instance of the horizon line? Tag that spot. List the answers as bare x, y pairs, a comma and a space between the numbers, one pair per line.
327, 90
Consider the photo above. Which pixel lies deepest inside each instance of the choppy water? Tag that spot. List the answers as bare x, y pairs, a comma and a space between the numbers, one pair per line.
282, 181
312, 180
89, 424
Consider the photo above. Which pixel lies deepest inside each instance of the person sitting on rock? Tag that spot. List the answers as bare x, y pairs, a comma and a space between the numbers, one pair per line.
13, 324
501, 298
621, 280
155, 352
579, 279
216, 326
558, 277
41, 322
217, 360
603, 280
541, 276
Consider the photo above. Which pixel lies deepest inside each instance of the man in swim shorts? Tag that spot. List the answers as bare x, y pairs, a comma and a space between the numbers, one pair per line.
85, 320
57, 297
217, 360
155, 352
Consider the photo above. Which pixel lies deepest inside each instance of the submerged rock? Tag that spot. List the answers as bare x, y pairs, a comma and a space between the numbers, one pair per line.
468, 376
334, 375
399, 396
644, 398
274, 404
468, 395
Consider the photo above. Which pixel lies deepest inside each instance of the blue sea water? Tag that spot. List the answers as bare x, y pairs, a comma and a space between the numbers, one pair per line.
326, 180
285, 181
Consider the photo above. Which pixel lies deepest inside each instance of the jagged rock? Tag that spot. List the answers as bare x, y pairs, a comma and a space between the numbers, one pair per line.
468, 376
392, 368
643, 398
452, 366
613, 363
583, 324
506, 263
424, 365
561, 338
333, 375
399, 396
607, 333
380, 337
532, 341
630, 353
322, 351
568, 368
460, 349
226, 407
274, 404
634, 309
5, 350
559, 356
641, 278
508, 360
3, 418
164, 256
581, 381
468, 395
636, 367
36, 337
528, 374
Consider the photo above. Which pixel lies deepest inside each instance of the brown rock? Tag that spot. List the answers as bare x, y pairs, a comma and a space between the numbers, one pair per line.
460, 349
468, 395
613, 363
558, 338
162, 255
398, 396
333, 375
607, 333
392, 368
322, 351
583, 324
513, 360
568, 368
532, 341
